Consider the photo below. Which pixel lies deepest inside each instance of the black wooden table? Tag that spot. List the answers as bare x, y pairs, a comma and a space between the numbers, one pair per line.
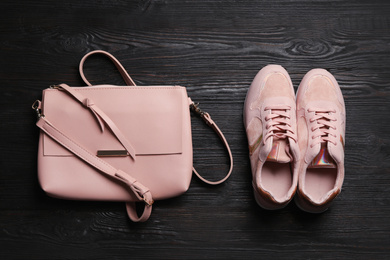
214, 48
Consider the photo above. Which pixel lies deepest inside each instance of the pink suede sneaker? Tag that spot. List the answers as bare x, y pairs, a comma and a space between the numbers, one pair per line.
321, 132
270, 122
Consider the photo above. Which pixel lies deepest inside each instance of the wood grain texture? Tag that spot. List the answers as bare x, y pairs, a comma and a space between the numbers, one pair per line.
214, 48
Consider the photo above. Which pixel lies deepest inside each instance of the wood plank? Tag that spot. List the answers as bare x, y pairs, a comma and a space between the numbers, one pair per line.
214, 48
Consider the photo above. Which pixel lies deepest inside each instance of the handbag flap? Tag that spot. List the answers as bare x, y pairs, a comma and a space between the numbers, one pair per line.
150, 118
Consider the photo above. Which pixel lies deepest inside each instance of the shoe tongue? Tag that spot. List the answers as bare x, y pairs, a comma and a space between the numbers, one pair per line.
323, 159
279, 152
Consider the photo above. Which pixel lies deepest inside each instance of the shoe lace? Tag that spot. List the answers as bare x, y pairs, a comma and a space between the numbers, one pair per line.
324, 129
279, 123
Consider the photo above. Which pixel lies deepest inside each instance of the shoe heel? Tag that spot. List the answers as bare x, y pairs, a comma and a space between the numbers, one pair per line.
266, 205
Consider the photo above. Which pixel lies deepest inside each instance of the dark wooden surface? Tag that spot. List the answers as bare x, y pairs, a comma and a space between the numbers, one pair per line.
214, 48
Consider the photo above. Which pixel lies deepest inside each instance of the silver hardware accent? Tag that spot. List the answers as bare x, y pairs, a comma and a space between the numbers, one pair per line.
194, 107
36, 106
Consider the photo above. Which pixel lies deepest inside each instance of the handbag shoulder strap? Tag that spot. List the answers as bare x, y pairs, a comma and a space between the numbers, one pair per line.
207, 119
141, 192
193, 107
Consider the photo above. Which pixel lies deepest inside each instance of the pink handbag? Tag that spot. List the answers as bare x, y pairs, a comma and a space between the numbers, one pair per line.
117, 143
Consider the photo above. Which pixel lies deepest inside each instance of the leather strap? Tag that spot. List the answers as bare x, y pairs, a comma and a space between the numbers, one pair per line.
205, 116
141, 192
207, 119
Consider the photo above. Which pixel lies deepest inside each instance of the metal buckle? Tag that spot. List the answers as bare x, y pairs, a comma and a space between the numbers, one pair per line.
149, 203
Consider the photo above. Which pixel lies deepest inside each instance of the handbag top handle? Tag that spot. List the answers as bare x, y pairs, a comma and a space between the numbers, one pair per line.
129, 81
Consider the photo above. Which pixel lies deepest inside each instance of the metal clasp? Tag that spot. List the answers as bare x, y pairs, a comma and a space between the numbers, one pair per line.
195, 108
37, 107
